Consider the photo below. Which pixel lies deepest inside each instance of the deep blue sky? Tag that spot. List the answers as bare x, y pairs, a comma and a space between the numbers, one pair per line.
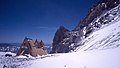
39, 19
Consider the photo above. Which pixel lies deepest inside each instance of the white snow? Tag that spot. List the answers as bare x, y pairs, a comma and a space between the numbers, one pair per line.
87, 59
107, 37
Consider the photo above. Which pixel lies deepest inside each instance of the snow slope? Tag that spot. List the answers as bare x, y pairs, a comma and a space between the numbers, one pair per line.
87, 59
105, 38
82, 59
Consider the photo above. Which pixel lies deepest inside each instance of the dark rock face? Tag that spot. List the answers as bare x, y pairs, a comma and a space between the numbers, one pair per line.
59, 36
64, 40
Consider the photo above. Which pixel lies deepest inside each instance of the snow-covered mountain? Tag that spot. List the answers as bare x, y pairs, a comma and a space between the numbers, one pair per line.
96, 45
100, 49
101, 14
106, 37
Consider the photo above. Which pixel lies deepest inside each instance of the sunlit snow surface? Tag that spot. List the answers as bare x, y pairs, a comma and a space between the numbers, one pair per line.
87, 59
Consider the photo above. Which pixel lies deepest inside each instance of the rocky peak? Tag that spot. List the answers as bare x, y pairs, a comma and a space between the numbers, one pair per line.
41, 43
33, 48
27, 39
59, 36
62, 29
36, 42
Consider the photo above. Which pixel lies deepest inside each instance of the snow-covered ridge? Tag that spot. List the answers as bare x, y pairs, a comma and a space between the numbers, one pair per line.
105, 19
70, 40
108, 36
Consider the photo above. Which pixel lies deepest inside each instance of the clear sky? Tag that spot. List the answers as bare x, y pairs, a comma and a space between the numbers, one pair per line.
39, 19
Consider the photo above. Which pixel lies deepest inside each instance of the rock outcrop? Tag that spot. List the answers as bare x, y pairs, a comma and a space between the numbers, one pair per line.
59, 36
65, 40
33, 48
